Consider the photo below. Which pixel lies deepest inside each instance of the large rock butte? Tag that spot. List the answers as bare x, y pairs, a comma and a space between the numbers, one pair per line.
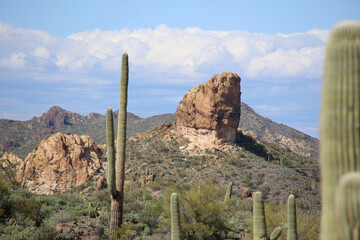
59, 163
211, 111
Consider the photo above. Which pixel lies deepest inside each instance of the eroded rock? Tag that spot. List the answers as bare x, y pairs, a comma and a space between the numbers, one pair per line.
59, 163
211, 111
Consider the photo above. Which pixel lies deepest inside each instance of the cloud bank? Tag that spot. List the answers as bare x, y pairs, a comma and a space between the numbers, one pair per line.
81, 72
175, 54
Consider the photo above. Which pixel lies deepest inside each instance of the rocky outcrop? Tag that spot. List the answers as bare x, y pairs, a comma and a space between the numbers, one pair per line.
57, 117
211, 110
59, 163
10, 160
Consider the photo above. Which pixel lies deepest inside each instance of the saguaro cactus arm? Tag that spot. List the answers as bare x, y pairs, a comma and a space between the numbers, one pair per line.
121, 133
348, 206
291, 232
276, 233
259, 222
175, 217
110, 152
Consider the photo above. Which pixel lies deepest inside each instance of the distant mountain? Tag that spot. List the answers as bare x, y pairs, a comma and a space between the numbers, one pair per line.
262, 128
22, 137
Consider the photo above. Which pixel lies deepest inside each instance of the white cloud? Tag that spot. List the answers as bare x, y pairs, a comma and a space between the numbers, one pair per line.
41, 52
172, 53
15, 62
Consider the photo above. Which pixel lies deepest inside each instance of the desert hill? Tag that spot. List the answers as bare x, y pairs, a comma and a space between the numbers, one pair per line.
21, 137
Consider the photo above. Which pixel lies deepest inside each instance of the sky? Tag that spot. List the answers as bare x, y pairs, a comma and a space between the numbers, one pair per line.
68, 53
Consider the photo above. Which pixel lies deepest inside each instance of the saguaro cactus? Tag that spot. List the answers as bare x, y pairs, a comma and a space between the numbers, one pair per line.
228, 192
291, 232
116, 168
175, 217
339, 122
259, 221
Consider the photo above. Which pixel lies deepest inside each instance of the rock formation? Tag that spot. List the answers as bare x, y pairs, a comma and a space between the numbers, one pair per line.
59, 163
211, 111
10, 160
57, 117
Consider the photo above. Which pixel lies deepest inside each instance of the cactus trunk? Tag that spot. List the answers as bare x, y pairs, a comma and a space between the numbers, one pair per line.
175, 217
340, 119
259, 221
291, 232
116, 168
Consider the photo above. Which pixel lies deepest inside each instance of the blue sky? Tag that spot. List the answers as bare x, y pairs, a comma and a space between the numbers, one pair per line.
67, 53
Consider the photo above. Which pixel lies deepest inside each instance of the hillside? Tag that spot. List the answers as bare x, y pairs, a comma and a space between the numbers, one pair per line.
161, 161
22, 137
265, 129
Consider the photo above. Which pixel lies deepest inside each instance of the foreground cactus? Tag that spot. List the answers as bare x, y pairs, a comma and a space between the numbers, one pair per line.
259, 221
291, 232
175, 217
116, 169
340, 131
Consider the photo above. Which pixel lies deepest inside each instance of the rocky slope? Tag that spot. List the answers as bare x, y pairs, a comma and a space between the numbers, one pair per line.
59, 163
22, 137
265, 129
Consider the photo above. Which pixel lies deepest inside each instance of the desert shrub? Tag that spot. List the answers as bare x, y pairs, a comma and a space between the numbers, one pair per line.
59, 217
126, 232
45, 233
202, 211
265, 190
5, 205
259, 180
152, 214
28, 208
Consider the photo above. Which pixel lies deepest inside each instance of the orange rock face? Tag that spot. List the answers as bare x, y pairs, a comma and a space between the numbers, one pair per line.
59, 163
9, 159
213, 106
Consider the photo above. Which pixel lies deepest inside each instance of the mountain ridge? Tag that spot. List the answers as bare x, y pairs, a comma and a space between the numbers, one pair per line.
21, 137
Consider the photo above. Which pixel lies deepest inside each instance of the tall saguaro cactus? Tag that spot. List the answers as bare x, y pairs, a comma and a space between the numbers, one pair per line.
291, 232
175, 217
259, 221
116, 168
340, 125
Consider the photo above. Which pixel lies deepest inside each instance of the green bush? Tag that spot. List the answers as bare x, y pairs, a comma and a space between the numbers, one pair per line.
202, 211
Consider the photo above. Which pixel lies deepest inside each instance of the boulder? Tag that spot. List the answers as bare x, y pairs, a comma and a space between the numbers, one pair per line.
59, 163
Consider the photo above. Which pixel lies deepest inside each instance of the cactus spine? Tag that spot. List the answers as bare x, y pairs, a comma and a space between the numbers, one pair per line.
291, 232
339, 121
175, 217
228, 192
116, 169
259, 221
